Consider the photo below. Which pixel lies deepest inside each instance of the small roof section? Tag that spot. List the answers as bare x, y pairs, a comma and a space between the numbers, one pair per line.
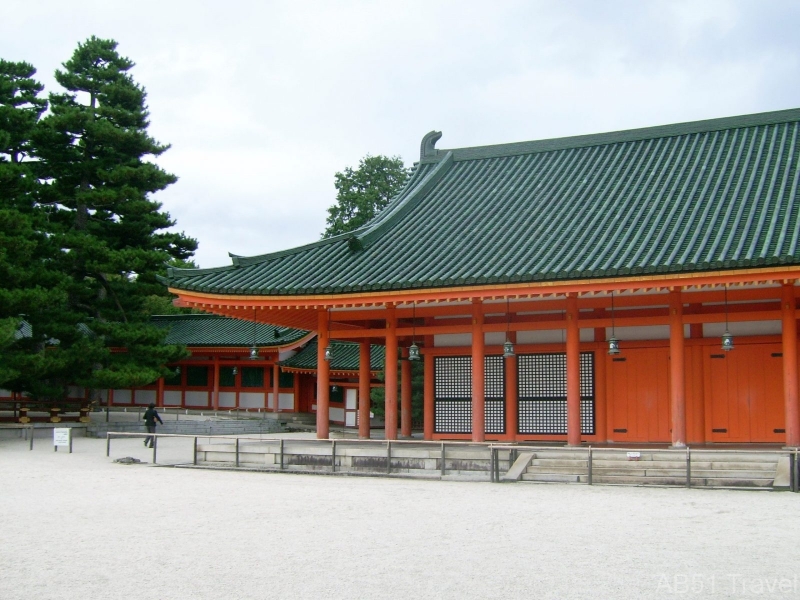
691, 197
213, 330
345, 358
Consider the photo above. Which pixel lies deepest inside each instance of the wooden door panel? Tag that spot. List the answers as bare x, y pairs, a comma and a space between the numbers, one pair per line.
638, 395
745, 394
716, 367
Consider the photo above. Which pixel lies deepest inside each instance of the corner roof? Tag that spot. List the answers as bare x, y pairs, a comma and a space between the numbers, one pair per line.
689, 197
345, 357
212, 330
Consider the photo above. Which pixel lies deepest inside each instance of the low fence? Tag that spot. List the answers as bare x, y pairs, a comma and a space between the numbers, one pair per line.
341, 456
665, 466
467, 460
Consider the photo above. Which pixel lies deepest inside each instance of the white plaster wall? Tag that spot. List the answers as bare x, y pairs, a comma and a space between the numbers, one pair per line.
251, 400
172, 398
102, 394
270, 401
5, 393
555, 336
351, 398
286, 401
496, 338
144, 396
743, 328
350, 419
75, 392
286, 355
227, 399
336, 414
122, 396
196, 399
448, 340
654, 332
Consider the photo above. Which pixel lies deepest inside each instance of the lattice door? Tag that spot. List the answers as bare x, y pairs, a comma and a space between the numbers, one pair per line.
453, 394
542, 390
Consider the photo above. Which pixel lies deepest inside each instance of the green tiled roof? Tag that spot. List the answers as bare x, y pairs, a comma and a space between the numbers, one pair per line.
690, 197
345, 357
212, 330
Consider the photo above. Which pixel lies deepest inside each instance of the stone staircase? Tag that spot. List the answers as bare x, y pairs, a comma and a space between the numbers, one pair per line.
708, 468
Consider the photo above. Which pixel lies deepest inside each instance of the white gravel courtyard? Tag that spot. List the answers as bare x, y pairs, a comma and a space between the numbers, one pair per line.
78, 526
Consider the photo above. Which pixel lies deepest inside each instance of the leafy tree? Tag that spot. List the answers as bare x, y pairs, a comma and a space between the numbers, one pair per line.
98, 160
364, 192
378, 394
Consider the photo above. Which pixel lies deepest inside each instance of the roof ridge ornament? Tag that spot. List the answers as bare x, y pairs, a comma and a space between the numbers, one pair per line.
427, 148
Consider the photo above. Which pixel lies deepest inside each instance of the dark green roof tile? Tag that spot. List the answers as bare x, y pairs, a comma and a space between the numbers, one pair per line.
345, 357
213, 330
695, 196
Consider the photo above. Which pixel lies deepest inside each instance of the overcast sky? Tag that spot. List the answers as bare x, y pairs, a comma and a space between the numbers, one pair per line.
264, 101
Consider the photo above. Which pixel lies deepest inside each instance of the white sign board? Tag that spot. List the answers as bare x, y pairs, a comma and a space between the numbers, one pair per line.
61, 436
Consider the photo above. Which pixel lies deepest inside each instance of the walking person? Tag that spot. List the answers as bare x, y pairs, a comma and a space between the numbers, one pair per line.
150, 418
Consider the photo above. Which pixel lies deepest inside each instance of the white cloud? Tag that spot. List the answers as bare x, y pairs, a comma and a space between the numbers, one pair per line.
264, 101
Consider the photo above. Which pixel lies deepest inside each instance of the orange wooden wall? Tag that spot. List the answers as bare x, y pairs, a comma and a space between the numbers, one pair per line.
731, 397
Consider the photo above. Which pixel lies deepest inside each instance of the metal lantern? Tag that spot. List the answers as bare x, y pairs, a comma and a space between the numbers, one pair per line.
727, 338
253, 348
413, 351
235, 371
329, 353
613, 346
727, 341
508, 349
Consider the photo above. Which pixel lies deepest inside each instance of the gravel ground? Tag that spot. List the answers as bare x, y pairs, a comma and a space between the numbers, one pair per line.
81, 526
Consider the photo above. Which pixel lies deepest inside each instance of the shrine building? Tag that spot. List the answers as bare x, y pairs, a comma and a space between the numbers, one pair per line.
630, 287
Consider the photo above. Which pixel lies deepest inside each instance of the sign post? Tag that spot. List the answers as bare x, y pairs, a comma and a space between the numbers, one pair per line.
62, 436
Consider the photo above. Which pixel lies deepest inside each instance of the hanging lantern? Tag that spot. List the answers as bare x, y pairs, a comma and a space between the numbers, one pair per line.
508, 349
413, 349
234, 371
329, 353
727, 341
613, 342
253, 348
727, 338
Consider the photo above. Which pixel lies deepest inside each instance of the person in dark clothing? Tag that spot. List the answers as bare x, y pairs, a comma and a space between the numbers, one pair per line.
150, 418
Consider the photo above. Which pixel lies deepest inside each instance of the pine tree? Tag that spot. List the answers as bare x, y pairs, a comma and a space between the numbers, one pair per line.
97, 154
32, 293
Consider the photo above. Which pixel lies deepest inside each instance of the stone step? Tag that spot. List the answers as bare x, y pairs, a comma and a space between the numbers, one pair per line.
556, 463
554, 477
576, 470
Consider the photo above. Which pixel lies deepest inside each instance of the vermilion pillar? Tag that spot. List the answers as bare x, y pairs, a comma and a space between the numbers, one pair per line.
429, 416
512, 400
159, 392
478, 370
276, 385
215, 398
364, 375
405, 395
323, 378
677, 369
789, 334
573, 372
391, 373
